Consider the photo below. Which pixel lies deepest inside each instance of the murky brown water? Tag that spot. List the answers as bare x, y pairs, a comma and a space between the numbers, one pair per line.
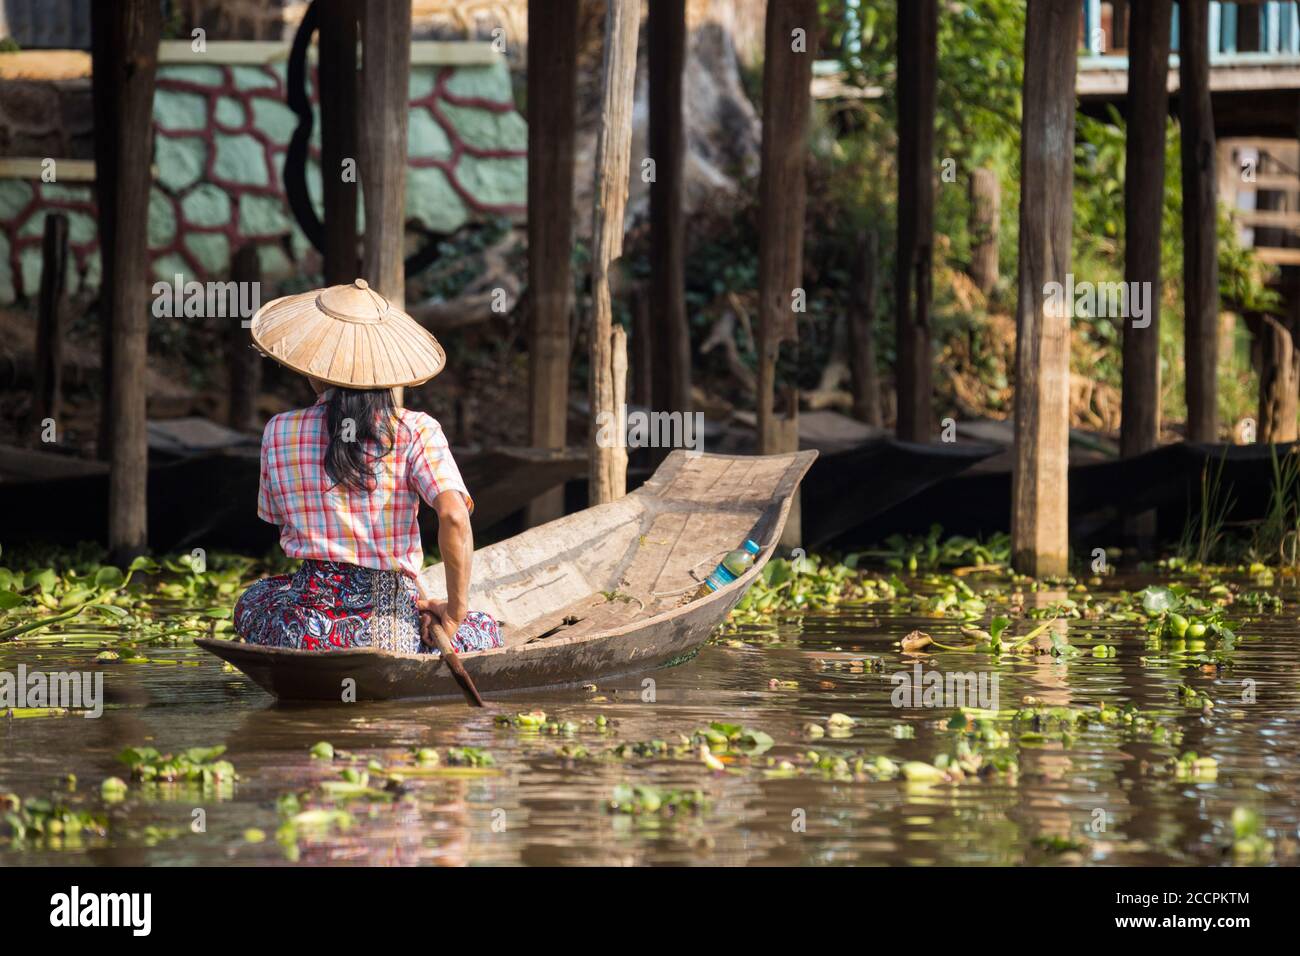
542, 809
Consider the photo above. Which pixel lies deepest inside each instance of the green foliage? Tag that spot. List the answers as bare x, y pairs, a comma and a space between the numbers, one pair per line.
1277, 536
47, 589
197, 766
639, 800
50, 823
807, 583
1204, 530
932, 550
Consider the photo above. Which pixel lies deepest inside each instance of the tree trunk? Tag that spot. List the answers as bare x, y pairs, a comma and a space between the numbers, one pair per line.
666, 38
552, 78
1200, 212
243, 364
1144, 195
1279, 382
47, 385
125, 88
608, 477
385, 76
862, 334
985, 224
917, 71
337, 75
1039, 511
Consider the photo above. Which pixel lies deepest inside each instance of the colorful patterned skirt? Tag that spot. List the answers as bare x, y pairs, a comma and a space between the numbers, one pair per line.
325, 606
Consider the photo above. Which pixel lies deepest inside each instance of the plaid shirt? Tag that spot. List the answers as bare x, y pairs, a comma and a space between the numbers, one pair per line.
376, 529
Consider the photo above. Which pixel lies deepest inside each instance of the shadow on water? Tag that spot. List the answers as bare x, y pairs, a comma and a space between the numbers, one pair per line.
1097, 796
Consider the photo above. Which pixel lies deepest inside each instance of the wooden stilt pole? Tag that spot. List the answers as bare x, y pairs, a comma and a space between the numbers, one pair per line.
985, 224
337, 72
385, 77
1040, 484
104, 52
1248, 28
917, 74
1144, 203
643, 352
1279, 382
862, 334
552, 78
243, 364
666, 38
47, 388
608, 475
1119, 27
1200, 221
129, 31
790, 46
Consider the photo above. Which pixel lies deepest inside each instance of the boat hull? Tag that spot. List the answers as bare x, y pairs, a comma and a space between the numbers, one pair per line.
367, 675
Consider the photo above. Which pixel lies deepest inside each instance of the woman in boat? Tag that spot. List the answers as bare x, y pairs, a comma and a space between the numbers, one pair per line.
343, 480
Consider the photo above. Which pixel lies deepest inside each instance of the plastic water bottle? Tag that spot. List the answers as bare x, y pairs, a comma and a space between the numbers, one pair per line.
729, 568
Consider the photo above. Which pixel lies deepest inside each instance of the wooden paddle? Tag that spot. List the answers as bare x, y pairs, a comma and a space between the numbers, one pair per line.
448, 653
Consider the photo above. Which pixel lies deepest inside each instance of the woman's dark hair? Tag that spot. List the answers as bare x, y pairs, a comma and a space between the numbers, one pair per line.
360, 423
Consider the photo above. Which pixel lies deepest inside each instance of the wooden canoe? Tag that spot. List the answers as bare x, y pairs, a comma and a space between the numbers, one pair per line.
596, 594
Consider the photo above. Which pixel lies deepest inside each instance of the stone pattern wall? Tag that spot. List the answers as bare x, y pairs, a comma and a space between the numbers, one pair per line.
221, 131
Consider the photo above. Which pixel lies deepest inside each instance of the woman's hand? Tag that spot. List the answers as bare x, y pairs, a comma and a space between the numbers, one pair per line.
432, 612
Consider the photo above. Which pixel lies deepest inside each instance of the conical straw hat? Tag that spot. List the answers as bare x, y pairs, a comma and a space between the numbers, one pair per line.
347, 335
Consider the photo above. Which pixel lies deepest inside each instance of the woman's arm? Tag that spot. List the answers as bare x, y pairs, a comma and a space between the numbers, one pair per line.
456, 544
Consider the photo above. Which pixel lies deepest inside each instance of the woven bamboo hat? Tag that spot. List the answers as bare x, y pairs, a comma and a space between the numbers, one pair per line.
347, 335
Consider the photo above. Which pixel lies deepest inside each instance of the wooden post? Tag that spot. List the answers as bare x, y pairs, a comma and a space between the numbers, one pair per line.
608, 475
1119, 25
1040, 484
985, 224
552, 79
337, 76
128, 32
104, 53
917, 72
790, 35
643, 357
243, 364
790, 46
385, 76
47, 387
666, 38
1144, 204
1248, 28
862, 334
1279, 382
1200, 221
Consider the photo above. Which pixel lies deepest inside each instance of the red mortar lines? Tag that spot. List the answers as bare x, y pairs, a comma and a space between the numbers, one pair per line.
212, 94
459, 147
17, 242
